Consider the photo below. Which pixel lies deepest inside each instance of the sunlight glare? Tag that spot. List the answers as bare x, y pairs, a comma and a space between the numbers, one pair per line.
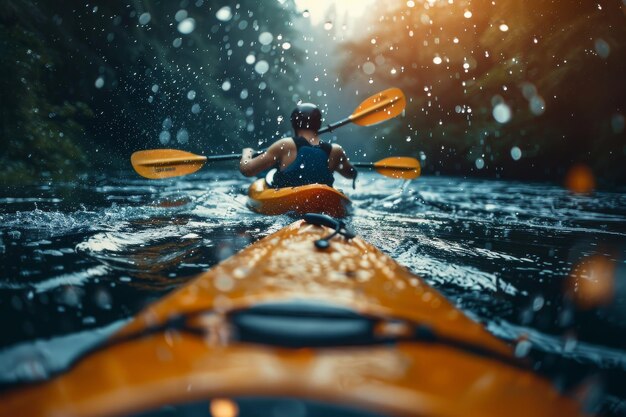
322, 10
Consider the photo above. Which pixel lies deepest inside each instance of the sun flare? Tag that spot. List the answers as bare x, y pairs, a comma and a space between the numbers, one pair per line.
345, 10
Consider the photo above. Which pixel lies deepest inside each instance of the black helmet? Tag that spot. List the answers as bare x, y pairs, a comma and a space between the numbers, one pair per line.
306, 116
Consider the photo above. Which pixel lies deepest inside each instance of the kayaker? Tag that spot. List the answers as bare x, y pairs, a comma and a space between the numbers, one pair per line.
301, 160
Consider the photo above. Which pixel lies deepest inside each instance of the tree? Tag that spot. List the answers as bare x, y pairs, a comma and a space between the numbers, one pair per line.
491, 82
110, 79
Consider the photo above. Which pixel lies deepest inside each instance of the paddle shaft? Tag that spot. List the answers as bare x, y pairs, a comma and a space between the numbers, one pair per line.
229, 157
335, 125
375, 165
350, 119
235, 157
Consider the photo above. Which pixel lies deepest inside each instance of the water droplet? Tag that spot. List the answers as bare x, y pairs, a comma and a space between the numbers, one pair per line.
286, 45
250, 59
537, 105
155, 88
569, 342
266, 38
437, 60
502, 113
480, 163
71, 296
516, 153
602, 48
181, 15
99, 82
467, 14
103, 299
369, 68
182, 136
241, 272
529, 90
167, 123
328, 25
617, 123
306, 14
262, 67
176, 43
191, 94
195, 109
187, 26
164, 137
144, 18
504, 27
224, 14
226, 85
522, 349
244, 94
224, 283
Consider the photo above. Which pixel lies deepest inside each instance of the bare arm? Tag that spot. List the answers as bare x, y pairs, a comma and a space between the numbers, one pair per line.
250, 166
339, 162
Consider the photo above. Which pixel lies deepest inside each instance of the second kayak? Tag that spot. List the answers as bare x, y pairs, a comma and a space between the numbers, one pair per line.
313, 198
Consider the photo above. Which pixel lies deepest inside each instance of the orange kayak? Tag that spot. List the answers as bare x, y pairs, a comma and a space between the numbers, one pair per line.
302, 317
314, 198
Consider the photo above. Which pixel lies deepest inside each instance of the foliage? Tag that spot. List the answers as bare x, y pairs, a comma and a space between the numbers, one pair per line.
557, 66
89, 84
40, 136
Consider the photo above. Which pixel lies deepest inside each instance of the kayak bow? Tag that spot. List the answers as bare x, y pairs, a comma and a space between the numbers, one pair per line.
341, 323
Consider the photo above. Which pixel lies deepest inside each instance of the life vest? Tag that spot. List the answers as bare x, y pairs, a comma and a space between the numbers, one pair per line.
309, 167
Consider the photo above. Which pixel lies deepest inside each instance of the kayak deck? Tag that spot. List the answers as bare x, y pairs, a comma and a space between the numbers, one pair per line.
158, 361
313, 198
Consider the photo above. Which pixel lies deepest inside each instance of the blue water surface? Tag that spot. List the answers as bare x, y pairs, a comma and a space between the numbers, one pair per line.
79, 259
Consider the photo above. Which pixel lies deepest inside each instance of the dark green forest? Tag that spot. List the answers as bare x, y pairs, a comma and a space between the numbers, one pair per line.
86, 84
517, 89
513, 89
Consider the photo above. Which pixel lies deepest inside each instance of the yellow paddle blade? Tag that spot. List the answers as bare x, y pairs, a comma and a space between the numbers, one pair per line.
381, 106
400, 167
166, 163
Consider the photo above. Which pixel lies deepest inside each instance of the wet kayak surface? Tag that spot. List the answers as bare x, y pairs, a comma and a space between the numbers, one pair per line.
78, 260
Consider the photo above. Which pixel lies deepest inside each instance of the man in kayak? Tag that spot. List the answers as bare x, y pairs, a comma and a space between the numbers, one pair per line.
301, 160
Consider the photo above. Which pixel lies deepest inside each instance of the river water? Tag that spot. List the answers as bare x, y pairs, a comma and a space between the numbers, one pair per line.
78, 260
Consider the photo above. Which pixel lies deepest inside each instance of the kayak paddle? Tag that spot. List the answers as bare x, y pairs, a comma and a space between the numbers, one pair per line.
167, 163
378, 108
399, 167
